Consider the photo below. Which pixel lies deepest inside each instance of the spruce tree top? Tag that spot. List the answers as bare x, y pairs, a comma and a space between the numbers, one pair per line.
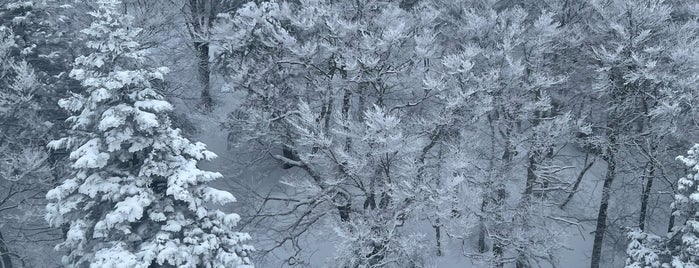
137, 197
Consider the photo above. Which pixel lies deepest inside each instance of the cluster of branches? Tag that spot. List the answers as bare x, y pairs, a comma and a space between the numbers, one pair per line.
472, 117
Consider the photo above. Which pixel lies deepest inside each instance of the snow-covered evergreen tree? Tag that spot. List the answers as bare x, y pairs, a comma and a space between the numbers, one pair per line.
684, 244
681, 247
643, 249
137, 197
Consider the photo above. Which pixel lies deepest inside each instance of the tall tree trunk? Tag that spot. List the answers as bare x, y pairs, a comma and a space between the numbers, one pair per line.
327, 112
202, 15
604, 203
344, 212
534, 153
204, 70
346, 116
498, 251
534, 158
361, 103
522, 220
646, 194
481, 239
671, 223
522, 262
649, 170
531, 175
437, 223
5, 259
438, 236
510, 150
346, 209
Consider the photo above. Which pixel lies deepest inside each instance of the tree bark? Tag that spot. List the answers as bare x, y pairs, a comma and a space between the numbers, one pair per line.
344, 212
346, 209
646, 195
498, 251
203, 13
534, 153
522, 262
531, 174
5, 259
438, 236
345, 115
361, 103
204, 71
671, 223
481, 239
604, 204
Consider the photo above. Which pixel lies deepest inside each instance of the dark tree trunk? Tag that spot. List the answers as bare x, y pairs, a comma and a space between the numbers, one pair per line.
534, 159
327, 113
509, 152
5, 259
438, 236
604, 204
481, 239
531, 175
361, 103
203, 13
385, 200
649, 170
204, 72
522, 262
646, 195
671, 223
370, 202
498, 250
534, 153
437, 223
344, 212
345, 116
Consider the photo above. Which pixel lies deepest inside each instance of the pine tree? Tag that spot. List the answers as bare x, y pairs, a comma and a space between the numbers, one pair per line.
137, 197
643, 249
680, 249
685, 251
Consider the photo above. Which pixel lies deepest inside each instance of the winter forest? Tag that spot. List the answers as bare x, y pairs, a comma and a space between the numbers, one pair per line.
349, 133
